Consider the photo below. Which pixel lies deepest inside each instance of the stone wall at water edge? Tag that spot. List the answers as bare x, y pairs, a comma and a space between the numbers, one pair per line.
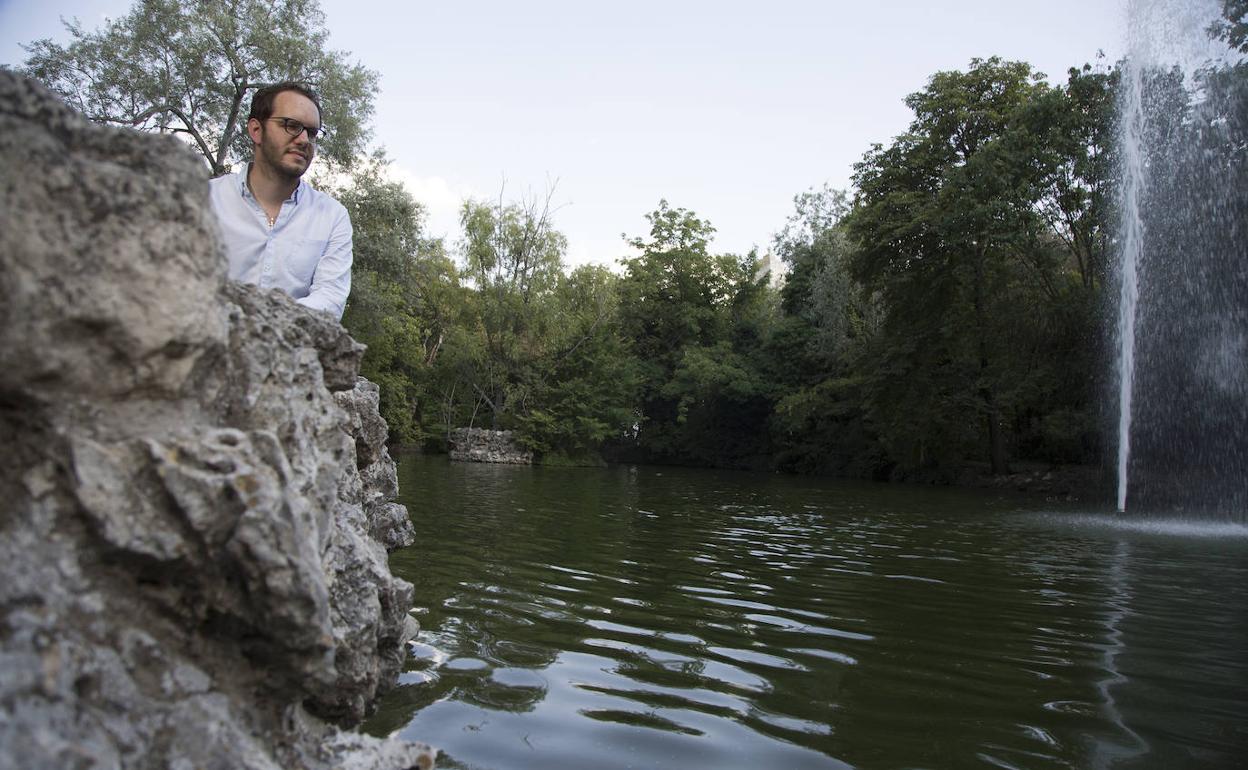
195, 497
478, 445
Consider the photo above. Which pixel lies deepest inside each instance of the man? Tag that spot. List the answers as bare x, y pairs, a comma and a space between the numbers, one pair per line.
278, 231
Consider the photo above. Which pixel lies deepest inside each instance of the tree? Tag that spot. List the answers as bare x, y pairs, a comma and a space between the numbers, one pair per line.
188, 67
672, 292
584, 385
1068, 132
826, 320
820, 293
816, 213
403, 301
941, 218
514, 256
682, 309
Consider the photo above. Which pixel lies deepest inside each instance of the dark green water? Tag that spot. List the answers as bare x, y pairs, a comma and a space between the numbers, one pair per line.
670, 618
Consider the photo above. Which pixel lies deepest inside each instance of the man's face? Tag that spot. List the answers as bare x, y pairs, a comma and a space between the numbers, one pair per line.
288, 156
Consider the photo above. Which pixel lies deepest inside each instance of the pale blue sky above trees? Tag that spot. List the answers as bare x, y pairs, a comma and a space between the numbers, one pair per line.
723, 107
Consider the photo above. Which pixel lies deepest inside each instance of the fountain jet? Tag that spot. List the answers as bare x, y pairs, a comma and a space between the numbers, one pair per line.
1183, 270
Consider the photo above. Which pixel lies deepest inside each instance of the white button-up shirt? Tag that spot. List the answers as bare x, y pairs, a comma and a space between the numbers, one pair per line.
306, 253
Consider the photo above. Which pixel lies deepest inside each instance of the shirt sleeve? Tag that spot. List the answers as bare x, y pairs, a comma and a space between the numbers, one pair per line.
331, 283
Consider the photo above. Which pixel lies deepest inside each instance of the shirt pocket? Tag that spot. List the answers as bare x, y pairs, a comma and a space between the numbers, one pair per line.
302, 257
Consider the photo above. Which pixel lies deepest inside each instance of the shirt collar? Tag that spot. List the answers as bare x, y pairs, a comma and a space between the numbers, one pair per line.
246, 190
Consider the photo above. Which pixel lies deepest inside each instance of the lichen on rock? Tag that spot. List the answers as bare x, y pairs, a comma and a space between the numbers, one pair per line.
197, 498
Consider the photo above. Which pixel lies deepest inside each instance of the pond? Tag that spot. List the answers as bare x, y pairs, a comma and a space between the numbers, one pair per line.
643, 617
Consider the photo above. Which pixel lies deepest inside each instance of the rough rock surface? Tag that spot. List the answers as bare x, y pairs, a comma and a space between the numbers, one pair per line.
478, 445
196, 496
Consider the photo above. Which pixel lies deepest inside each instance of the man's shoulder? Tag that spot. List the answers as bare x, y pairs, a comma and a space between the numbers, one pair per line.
224, 184
320, 199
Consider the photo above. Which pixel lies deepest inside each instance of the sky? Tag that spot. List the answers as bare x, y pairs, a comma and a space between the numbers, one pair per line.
726, 108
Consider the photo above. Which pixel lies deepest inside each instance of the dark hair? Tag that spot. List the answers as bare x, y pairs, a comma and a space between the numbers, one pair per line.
262, 102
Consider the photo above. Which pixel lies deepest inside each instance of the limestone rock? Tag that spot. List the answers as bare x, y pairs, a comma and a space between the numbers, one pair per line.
479, 445
197, 498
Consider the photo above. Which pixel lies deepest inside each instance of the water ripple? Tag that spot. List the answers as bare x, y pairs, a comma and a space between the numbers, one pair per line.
650, 620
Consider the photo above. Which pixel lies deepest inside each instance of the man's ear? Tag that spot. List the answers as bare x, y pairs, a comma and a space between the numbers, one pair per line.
254, 130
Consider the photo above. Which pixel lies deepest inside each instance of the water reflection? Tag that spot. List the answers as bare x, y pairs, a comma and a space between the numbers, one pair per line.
1118, 606
670, 618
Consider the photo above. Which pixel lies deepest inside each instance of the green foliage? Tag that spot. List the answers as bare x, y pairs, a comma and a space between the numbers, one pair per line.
673, 292
948, 315
514, 257
946, 223
949, 312
1067, 134
190, 66
680, 305
675, 297
981, 237
403, 300
820, 428
585, 386
822, 298
826, 320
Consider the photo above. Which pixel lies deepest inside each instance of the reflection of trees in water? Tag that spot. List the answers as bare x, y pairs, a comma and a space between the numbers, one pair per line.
781, 614
643, 589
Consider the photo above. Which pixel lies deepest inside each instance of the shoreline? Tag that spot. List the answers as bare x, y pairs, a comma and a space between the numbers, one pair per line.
1056, 482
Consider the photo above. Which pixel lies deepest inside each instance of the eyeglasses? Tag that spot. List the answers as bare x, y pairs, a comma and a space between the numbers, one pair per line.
295, 128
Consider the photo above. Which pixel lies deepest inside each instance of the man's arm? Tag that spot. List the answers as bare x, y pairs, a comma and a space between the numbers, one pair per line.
331, 283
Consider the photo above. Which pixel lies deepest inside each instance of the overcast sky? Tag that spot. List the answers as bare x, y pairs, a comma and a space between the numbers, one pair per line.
726, 108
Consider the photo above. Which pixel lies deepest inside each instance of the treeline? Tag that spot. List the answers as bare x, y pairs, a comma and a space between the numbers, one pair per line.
950, 310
